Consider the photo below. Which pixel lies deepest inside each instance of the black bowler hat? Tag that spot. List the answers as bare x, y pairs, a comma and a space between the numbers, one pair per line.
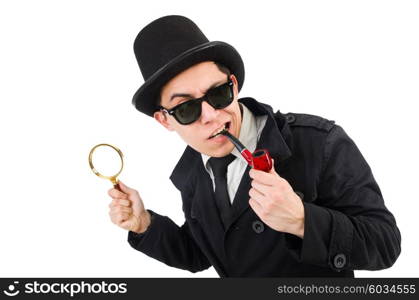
169, 45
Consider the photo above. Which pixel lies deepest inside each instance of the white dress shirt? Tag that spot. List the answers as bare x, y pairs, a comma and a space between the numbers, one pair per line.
250, 131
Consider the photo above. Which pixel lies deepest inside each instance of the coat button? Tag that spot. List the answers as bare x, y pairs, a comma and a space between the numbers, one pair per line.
301, 195
339, 261
258, 226
290, 118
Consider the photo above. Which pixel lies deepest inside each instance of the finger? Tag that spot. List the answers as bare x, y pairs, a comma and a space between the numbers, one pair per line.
257, 196
272, 170
119, 217
122, 202
114, 193
263, 177
260, 187
119, 208
125, 224
126, 189
117, 202
256, 207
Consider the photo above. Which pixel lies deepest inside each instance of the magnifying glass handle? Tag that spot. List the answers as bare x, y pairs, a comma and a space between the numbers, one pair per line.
116, 186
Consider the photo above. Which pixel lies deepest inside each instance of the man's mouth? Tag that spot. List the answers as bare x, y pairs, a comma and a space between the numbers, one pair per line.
217, 132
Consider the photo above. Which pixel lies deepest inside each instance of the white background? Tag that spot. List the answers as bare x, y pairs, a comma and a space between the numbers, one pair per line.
67, 76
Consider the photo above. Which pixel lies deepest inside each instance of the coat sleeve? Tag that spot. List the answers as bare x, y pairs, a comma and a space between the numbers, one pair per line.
348, 226
167, 242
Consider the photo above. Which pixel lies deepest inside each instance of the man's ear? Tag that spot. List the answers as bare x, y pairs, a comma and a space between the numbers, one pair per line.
163, 120
236, 85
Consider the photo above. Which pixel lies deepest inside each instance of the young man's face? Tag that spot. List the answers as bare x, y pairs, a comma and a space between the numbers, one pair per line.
195, 81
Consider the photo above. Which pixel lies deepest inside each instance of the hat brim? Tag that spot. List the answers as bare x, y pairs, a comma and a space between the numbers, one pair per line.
146, 96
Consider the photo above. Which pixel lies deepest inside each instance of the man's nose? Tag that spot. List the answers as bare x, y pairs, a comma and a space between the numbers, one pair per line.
208, 112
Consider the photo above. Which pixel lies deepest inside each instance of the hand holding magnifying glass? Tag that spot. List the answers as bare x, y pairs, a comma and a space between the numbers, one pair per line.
127, 208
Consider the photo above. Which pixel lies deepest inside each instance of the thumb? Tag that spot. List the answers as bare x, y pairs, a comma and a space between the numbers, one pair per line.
124, 188
272, 171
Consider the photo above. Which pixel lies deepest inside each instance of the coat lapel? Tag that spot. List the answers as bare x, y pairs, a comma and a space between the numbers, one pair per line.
240, 202
203, 205
195, 184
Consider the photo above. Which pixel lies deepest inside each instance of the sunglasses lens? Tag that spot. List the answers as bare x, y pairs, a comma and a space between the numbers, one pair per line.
188, 112
220, 97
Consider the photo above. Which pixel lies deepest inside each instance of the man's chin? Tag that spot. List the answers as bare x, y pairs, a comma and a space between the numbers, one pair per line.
221, 151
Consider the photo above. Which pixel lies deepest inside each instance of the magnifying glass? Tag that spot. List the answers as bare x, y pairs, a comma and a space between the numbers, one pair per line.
108, 160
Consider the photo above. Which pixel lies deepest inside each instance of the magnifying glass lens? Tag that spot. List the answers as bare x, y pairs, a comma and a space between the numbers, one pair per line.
106, 161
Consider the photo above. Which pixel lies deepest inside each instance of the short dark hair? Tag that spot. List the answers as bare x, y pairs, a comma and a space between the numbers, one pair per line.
220, 67
223, 68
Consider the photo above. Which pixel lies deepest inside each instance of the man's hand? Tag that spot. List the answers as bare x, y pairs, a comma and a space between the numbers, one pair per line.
127, 209
274, 201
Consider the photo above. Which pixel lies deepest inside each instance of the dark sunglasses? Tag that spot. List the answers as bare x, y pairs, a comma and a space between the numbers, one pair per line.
188, 112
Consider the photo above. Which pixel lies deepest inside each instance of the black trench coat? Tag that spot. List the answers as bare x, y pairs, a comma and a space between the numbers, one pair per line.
347, 226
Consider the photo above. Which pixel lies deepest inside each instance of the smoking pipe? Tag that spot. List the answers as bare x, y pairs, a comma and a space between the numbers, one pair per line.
260, 159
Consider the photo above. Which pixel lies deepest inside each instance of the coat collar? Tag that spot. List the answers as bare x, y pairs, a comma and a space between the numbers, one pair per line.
271, 137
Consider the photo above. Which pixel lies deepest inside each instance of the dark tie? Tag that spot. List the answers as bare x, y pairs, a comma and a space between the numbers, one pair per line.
219, 169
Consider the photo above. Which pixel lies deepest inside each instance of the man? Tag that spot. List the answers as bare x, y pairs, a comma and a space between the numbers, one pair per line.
318, 212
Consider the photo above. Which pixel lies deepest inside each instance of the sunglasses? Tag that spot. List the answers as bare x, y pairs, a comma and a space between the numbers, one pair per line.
188, 112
